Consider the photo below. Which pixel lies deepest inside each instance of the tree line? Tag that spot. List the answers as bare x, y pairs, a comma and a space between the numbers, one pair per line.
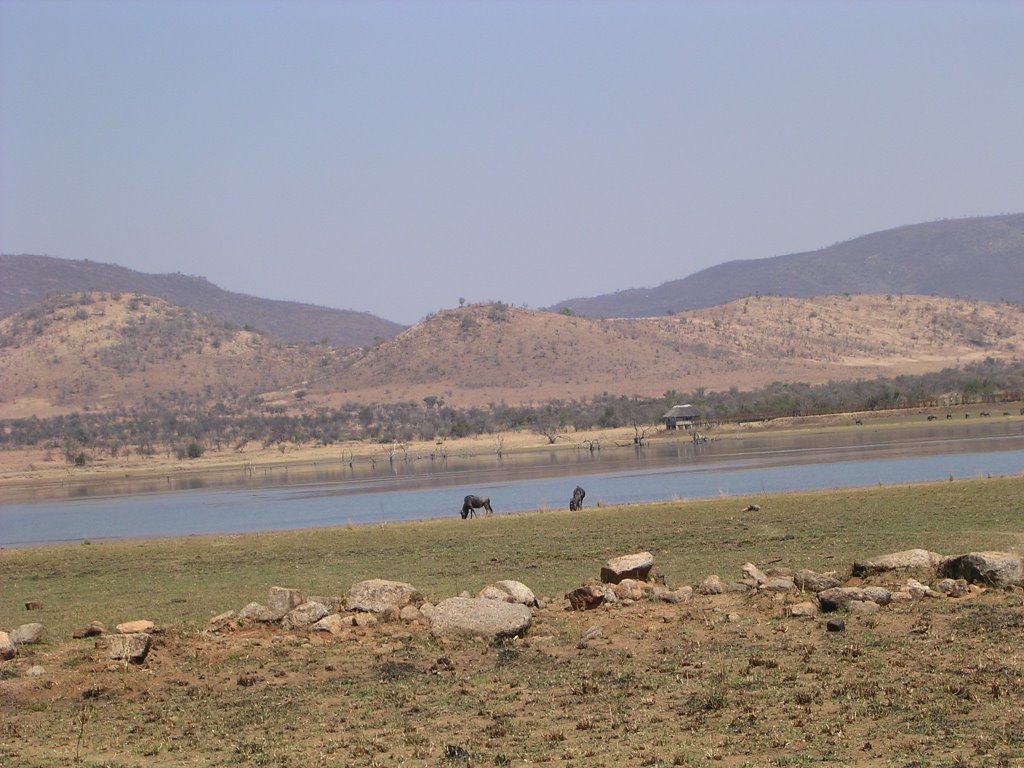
190, 429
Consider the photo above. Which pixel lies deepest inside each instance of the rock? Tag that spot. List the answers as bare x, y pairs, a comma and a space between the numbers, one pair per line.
257, 612
811, 581
364, 619
427, 609
953, 587
221, 620
805, 610
636, 566
479, 618
862, 606
35, 671
378, 595
92, 630
835, 625
628, 589
994, 569
7, 649
281, 600
491, 592
334, 623
754, 574
304, 615
134, 627
838, 598
586, 597
712, 585
777, 584
681, 595
878, 595
132, 647
410, 614
917, 590
27, 634
907, 559
33, 605
519, 592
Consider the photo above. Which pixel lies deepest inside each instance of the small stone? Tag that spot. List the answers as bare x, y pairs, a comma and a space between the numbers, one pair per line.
835, 625
92, 630
33, 605
862, 607
35, 671
133, 627
712, 585
807, 609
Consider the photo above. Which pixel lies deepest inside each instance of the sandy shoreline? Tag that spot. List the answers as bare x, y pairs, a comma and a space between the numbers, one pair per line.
38, 473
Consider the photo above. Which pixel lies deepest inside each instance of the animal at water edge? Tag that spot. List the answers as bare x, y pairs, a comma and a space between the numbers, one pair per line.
576, 502
472, 503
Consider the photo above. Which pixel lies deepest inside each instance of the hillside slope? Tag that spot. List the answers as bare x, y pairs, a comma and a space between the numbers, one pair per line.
102, 351
495, 353
110, 351
25, 280
980, 258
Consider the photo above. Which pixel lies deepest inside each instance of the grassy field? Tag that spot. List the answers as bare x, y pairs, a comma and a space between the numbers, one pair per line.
720, 680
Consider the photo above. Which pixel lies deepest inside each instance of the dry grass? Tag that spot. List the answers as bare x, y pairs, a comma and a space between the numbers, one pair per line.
726, 680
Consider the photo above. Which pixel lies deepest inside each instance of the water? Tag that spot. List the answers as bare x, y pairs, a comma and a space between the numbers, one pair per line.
746, 468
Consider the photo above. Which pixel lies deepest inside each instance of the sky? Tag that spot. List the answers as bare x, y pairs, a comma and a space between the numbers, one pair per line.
398, 157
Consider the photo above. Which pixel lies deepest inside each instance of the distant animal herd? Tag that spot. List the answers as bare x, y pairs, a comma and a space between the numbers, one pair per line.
472, 503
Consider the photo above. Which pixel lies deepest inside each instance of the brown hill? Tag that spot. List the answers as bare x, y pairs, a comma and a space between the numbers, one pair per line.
980, 258
103, 351
494, 353
25, 280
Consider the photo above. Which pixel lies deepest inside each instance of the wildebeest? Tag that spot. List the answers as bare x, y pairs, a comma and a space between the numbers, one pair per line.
576, 502
472, 503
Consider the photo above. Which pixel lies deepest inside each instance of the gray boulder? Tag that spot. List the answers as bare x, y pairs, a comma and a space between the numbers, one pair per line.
839, 598
132, 647
280, 600
812, 581
27, 634
479, 617
636, 566
257, 612
898, 561
994, 569
308, 613
380, 596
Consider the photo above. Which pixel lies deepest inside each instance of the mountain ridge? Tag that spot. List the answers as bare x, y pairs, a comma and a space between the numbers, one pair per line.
978, 258
26, 279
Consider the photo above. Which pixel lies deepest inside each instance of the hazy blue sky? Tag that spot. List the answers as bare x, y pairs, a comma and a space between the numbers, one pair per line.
395, 156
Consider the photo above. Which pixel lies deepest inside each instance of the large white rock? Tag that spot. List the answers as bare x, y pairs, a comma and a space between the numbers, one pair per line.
380, 596
479, 617
635, 566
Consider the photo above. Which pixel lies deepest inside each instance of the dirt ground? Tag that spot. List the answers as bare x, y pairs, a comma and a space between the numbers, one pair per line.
728, 680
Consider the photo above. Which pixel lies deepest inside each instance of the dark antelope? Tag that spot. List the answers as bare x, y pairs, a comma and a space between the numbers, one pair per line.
472, 503
576, 502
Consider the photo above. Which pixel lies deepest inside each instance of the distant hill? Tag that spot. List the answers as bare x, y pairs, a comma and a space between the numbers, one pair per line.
980, 258
25, 280
110, 351
494, 353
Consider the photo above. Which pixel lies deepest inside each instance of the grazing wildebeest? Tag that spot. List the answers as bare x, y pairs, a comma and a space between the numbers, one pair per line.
472, 503
576, 502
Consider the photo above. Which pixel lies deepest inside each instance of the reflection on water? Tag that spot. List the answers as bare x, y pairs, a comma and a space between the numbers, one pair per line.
322, 494
762, 449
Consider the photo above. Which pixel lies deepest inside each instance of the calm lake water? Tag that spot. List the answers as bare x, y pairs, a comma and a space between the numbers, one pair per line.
325, 495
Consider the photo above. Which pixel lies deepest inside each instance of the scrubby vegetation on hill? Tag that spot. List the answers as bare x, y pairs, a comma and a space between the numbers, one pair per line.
183, 430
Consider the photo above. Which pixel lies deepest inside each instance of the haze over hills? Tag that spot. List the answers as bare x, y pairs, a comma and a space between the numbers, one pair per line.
978, 258
25, 280
104, 351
